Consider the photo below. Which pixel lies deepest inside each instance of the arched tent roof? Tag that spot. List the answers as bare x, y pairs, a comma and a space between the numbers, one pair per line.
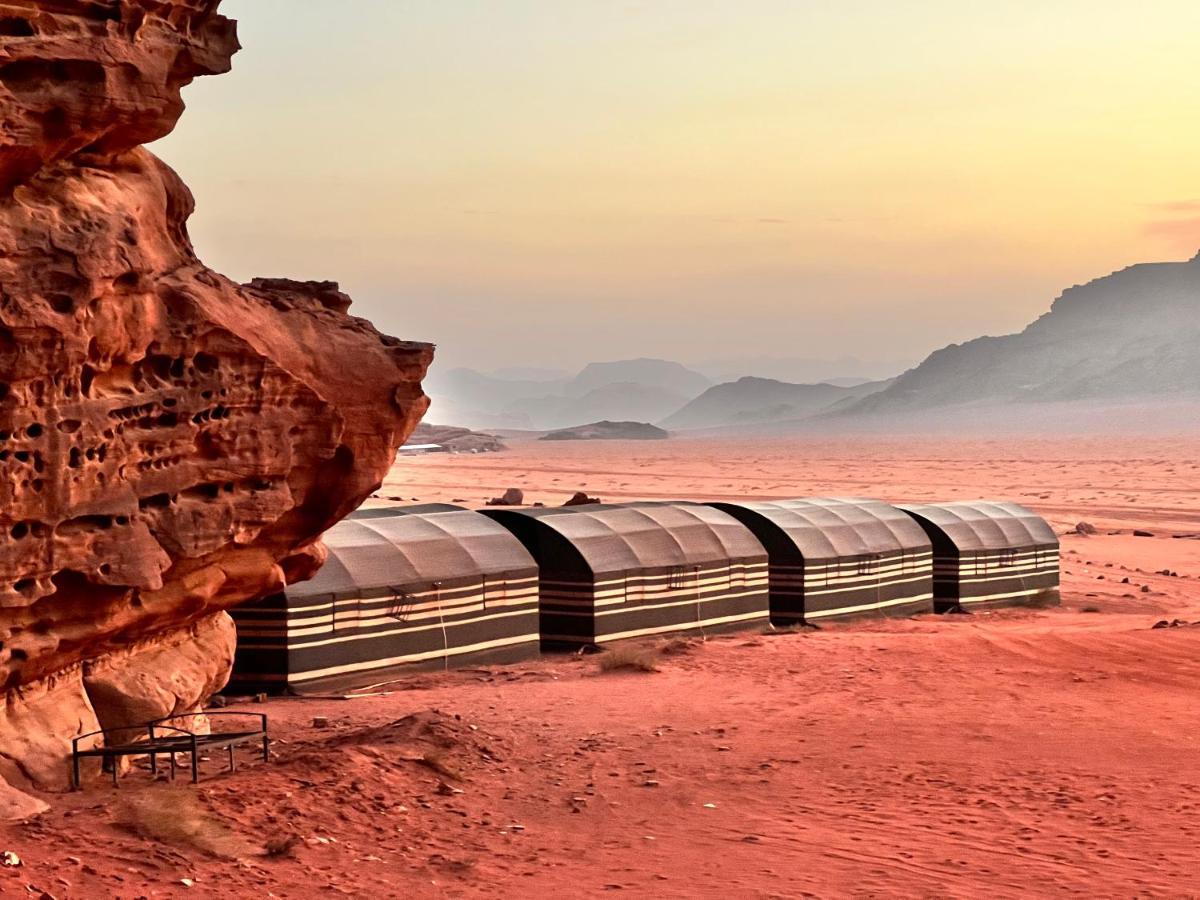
614, 538
382, 512
828, 528
456, 546
985, 525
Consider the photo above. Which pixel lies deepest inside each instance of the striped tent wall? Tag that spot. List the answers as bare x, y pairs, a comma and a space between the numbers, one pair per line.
833, 558
989, 554
633, 570
405, 591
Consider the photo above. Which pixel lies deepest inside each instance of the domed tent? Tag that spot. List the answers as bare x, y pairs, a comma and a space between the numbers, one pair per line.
411, 589
629, 570
833, 558
989, 554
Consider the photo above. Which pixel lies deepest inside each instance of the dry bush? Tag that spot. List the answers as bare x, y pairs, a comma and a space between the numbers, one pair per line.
632, 658
178, 818
282, 846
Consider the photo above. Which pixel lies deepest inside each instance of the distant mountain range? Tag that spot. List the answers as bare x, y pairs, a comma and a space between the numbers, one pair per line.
1115, 351
642, 390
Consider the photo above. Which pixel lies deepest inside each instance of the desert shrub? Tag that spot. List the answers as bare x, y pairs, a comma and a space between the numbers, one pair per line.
630, 658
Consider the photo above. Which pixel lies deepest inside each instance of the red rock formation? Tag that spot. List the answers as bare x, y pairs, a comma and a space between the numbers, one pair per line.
171, 443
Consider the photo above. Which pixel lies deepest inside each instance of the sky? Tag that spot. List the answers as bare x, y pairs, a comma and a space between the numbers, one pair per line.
550, 182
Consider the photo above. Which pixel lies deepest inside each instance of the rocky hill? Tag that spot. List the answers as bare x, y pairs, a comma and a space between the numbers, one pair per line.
608, 431
756, 401
1131, 335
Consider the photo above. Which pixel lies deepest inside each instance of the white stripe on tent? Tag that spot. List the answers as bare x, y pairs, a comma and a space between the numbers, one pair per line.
817, 614
1006, 596
691, 601
400, 629
397, 660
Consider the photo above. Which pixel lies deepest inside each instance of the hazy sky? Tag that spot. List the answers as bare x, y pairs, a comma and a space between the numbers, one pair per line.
546, 182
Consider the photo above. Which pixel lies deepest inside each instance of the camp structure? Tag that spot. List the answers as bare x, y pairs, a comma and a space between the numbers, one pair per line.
612, 571
989, 554
833, 558
400, 591
383, 512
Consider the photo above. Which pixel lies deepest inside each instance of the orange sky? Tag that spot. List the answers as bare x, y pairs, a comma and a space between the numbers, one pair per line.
547, 182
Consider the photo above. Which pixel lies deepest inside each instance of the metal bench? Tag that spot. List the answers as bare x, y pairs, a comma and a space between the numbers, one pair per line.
161, 736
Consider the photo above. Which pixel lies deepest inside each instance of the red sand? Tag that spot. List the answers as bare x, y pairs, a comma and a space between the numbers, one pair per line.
1001, 755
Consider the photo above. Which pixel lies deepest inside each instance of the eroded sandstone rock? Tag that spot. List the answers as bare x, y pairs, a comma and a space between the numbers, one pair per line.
162, 676
171, 443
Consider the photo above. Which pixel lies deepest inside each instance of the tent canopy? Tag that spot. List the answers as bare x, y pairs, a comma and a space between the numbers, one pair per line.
629, 537
828, 528
414, 548
986, 525
383, 512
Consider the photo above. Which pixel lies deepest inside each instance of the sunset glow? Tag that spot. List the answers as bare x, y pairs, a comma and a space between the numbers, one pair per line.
693, 179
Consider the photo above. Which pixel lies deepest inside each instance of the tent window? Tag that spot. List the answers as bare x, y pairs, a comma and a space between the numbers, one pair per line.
677, 578
401, 606
737, 575
1007, 558
868, 566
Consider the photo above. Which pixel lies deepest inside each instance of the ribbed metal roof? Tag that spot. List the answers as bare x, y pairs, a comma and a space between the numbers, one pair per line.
616, 538
382, 512
828, 528
985, 525
414, 548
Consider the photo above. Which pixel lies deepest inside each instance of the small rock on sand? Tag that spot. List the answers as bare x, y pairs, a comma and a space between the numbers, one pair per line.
511, 497
580, 498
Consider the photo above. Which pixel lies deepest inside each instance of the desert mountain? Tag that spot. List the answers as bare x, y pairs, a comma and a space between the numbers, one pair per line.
636, 389
1128, 336
756, 401
608, 431
800, 369
657, 373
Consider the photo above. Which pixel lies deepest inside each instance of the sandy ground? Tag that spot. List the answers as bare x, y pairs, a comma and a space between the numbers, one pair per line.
1016, 753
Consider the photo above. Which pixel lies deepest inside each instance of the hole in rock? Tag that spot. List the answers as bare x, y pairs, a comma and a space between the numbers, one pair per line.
15, 26
63, 304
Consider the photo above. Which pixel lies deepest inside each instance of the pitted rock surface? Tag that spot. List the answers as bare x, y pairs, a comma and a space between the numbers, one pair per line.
171, 443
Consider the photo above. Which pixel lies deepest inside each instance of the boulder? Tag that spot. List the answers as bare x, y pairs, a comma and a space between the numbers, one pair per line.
165, 676
579, 498
511, 497
17, 806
